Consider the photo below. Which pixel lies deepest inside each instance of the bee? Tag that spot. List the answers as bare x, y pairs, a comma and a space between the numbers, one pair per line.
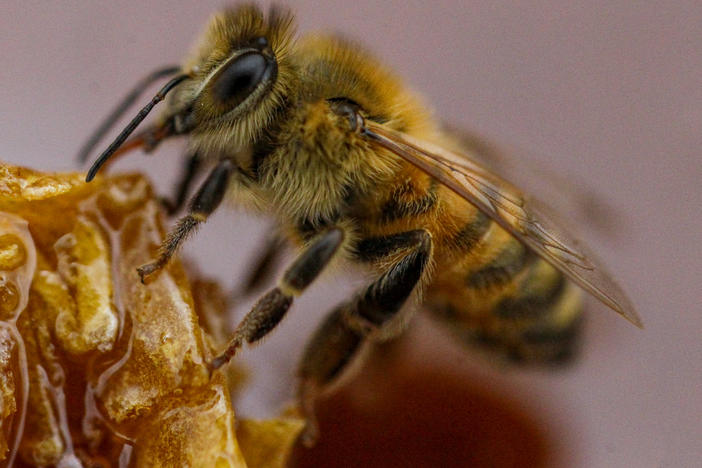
352, 166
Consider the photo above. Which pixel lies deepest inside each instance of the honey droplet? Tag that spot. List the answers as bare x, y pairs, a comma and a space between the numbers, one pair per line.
12, 252
9, 300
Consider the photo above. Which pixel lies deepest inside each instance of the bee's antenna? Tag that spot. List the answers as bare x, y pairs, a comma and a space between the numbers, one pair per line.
114, 146
117, 112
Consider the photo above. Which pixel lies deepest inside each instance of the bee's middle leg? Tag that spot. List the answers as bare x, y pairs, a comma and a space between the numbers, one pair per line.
272, 306
207, 199
369, 314
261, 269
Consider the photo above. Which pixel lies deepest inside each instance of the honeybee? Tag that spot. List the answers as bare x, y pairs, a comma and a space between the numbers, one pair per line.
320, 135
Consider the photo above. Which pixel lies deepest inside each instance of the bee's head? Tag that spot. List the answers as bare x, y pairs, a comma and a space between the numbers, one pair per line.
240, 75
227, 92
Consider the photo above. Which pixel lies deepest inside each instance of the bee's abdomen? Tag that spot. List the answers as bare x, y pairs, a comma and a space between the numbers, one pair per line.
489, 287
544, 312
510, 259
539, 292
494, 291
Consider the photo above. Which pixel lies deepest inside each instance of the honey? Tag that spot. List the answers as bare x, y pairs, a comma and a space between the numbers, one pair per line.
96, 368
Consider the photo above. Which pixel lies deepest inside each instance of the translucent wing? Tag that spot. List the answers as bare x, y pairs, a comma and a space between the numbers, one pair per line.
522, 216
565, 192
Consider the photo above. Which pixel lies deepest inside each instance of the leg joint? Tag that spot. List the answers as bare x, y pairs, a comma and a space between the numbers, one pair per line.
375, 248
312, 261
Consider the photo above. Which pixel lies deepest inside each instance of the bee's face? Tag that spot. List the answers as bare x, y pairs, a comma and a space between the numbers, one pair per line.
240, 74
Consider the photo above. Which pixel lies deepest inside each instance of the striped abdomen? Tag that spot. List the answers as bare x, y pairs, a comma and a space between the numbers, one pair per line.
486, 285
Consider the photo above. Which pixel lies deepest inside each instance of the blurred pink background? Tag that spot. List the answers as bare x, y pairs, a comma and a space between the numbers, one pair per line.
611, 91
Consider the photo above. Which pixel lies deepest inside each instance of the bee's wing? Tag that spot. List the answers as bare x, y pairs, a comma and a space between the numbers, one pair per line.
566, 193
523, 217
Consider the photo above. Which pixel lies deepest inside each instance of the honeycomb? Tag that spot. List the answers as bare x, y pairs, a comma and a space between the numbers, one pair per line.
96, 368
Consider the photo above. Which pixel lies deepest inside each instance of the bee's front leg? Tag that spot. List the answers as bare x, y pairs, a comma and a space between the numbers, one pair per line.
338, 340
203, 204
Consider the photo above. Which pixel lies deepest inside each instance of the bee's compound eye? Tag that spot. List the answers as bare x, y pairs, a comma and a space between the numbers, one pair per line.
240, 78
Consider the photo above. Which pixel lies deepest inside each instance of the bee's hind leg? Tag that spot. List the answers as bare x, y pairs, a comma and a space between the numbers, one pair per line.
369, 314
203, 204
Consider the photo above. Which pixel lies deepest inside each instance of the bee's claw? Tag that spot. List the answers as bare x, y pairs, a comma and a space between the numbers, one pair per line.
217, 362
308, 392
227, 355
210, 370
147, 270
310, 434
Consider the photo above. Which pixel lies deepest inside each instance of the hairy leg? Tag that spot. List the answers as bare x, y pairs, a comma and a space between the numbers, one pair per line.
272, 306
203, 204
340, 337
